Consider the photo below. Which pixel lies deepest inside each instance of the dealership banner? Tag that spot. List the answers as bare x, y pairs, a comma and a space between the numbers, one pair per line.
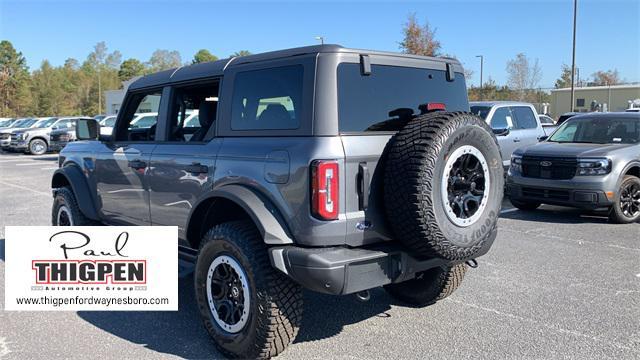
91, 268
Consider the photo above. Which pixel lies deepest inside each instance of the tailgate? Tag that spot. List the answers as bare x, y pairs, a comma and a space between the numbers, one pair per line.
364, 173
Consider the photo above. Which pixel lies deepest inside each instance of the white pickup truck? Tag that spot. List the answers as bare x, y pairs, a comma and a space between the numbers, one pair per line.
516, 124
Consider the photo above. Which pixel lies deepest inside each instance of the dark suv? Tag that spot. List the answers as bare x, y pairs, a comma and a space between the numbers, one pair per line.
334, 169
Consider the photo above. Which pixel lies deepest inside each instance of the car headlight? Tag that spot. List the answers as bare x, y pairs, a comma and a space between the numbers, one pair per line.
516, 163
588, 167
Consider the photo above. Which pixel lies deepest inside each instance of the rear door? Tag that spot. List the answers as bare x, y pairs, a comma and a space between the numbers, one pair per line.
183, 162
371, 108
528, 125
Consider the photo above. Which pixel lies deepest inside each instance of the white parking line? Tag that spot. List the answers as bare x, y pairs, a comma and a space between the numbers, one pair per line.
11, 160
26, 188
505, 211
49, 168
31, 163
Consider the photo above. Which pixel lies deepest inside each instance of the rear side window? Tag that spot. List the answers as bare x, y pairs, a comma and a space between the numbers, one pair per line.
268, 99
391, 95
525, 118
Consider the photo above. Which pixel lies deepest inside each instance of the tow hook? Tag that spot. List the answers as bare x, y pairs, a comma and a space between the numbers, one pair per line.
472, 263
363, 296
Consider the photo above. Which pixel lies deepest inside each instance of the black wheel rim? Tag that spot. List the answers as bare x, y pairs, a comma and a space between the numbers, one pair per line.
630, 200
228, 293
466, 187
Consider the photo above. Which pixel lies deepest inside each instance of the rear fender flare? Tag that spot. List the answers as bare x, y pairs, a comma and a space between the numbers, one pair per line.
265, 215
80, 188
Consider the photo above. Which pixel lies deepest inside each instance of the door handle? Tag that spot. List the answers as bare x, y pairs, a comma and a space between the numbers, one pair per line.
137, 164
516, 140
197, 168
363, 186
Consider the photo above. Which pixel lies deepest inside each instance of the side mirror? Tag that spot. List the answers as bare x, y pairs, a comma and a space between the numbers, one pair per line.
543, 138
87, 129
501, 132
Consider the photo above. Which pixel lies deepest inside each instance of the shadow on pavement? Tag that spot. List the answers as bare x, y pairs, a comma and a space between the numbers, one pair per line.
558, 215
181, 333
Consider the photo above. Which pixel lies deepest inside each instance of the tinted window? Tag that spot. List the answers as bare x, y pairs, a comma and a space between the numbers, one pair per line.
524, 117
269, 99
501, 119
599, 130
391, 95
481, 111
546, 120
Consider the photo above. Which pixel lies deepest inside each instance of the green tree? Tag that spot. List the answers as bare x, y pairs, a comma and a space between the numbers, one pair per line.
565, 77
15, 99
419, 39
164, 59
130, 68
241, 53
203, 55
46, 88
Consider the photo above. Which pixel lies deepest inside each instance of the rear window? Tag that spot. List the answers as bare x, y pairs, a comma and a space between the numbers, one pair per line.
269, 99
387, 98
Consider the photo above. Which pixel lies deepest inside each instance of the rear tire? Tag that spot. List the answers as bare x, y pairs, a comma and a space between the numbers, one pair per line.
274, 307
429, 286
525, 205
626, 208
443, 185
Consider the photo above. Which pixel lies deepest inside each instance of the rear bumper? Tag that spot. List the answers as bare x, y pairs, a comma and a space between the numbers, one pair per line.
57, 145
341, 270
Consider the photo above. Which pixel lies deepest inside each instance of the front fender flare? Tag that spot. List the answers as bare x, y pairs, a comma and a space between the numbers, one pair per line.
80, 188
265, 215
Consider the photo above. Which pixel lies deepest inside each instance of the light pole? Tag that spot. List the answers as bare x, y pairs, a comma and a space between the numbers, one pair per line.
481, 66
321, 39
573, 56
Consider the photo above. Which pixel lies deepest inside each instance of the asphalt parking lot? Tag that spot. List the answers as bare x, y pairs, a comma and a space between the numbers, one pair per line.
558, 283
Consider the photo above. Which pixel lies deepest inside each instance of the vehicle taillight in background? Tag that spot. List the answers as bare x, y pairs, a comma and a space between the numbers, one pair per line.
324, 189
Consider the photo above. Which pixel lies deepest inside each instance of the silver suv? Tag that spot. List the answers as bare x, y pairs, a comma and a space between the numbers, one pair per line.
334, 169
592, 161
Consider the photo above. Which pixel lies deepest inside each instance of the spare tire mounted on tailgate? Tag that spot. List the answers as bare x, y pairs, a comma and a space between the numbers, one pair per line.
443, 184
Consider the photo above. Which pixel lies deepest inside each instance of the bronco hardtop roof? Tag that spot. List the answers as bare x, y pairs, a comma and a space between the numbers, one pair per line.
217, 68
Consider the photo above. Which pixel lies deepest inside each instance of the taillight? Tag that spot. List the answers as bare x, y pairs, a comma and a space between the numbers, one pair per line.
324, 189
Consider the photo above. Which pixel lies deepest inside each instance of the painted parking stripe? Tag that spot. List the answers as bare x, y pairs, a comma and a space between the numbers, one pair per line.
30, 164
49, 168
505, 211
25, 188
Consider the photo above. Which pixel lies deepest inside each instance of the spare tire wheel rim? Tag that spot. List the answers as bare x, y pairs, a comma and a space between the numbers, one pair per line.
228, 293
64, 217
465, 185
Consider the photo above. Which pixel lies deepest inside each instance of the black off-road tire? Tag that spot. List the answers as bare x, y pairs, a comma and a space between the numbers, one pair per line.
525, 205
32, 145
65, 198
414, 168
616, 214
429, 286
275, 307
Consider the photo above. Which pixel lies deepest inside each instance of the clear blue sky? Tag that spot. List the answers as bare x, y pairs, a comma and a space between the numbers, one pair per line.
608, 31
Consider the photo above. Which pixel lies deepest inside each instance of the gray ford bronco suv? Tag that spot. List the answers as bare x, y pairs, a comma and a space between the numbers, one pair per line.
332, 169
